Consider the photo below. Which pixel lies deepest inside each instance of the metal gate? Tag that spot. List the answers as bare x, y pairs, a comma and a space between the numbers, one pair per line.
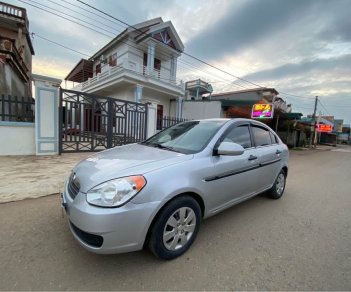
90, 122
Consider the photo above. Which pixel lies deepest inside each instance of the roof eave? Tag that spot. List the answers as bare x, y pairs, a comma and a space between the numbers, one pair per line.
109, 44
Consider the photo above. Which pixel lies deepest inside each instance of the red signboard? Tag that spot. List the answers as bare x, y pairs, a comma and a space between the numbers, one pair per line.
324, 128
262, 111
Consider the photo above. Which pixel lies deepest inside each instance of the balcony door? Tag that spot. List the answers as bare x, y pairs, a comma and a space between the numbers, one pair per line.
157, 62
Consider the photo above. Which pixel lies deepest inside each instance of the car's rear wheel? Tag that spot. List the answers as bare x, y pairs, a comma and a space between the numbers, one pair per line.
277, 190
175, 228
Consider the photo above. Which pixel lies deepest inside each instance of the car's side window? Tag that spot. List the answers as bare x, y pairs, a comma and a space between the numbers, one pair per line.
273, 138
261, 135
239, 135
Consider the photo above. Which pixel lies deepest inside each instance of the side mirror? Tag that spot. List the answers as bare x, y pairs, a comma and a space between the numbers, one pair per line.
230, 148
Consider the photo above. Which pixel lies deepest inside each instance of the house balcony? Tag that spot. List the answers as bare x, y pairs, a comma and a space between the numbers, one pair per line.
130, 72
10, 54
10, 12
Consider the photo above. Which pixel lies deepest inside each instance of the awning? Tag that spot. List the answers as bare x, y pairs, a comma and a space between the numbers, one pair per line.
81, 72
291, 116
228, 102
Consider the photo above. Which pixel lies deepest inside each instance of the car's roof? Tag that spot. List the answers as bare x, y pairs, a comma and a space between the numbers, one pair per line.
227, 120
233, 120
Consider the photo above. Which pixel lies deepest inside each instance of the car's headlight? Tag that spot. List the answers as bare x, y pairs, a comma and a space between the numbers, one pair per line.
115, 192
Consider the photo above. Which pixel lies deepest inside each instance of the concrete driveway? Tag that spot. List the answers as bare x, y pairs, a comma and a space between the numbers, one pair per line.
23, 177
300, 242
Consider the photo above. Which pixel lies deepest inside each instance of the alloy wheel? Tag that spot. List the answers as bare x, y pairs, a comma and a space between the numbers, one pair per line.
179, 228
280, 184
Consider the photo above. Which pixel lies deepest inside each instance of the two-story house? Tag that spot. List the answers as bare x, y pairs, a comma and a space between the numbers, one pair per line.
16, 52
139, 64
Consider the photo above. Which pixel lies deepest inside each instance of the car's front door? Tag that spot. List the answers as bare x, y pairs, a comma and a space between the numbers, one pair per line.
233, 177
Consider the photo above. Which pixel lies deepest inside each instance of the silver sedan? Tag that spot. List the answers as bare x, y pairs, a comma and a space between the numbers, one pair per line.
156, 193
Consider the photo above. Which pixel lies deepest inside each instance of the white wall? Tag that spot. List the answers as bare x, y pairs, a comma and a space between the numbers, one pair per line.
125, 94
17, 138
202, 109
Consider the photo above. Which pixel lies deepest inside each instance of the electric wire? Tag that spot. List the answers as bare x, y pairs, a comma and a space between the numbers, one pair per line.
66, 14
51, 41
183, 52
187, 64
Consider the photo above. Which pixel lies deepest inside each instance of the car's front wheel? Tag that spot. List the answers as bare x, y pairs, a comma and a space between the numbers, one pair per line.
278, 187
175, 228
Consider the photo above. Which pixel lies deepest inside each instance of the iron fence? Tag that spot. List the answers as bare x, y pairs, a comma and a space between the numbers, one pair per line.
90, 122
165, 122
16, 109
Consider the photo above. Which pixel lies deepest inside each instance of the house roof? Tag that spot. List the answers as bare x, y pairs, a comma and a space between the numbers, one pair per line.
145, 29
322, 120
151, 30
81, 72
291, 116
228, 102
259, 89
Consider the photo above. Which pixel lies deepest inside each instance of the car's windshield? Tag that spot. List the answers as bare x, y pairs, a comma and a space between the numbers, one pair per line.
187, 137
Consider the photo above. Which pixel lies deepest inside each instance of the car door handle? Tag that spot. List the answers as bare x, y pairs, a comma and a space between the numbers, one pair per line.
278, 152
252, 157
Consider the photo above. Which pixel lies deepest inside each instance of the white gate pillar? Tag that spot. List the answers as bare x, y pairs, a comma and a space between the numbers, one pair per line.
46, 114
151, 119
179, 107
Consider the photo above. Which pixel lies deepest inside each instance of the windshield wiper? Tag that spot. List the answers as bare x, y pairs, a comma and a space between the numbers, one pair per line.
158, 145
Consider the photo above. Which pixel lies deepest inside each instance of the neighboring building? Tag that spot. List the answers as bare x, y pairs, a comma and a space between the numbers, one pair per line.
338, 124
139, 65
239, 103
344, 137
16, 52
234, 104
198, 90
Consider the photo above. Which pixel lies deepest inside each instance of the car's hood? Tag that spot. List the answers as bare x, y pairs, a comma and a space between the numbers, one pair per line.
123, 161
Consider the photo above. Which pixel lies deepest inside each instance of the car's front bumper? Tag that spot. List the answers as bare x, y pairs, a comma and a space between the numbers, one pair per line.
108, 230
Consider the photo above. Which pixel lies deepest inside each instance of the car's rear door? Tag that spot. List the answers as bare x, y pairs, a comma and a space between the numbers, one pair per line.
269, 154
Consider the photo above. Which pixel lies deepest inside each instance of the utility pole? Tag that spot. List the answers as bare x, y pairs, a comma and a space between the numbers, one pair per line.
314, 121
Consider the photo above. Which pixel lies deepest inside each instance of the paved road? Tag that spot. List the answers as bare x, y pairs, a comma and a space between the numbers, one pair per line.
301, 242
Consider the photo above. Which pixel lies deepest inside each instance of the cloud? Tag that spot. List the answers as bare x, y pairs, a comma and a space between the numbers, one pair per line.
302, 47
54, 67
317, 66
245, 26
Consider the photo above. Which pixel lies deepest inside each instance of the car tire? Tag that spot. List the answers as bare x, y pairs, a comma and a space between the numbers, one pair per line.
277, 190
175, 228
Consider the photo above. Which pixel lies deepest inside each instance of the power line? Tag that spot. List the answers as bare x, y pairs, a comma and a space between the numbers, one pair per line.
82, 8
82, 14
187, 54
294, 95
51, 41
99, 32
186, 63
191, 56
320, 102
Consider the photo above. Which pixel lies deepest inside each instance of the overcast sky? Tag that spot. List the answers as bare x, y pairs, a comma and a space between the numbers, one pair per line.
299, 47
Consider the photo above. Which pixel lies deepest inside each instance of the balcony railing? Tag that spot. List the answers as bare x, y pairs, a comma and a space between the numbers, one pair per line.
128, 66
165, 122
14, 11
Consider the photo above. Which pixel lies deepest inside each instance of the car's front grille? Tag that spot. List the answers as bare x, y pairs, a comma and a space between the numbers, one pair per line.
88, 238
73, 186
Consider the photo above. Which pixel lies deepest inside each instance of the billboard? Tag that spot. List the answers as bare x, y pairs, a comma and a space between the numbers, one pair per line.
324, 128
262, 111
